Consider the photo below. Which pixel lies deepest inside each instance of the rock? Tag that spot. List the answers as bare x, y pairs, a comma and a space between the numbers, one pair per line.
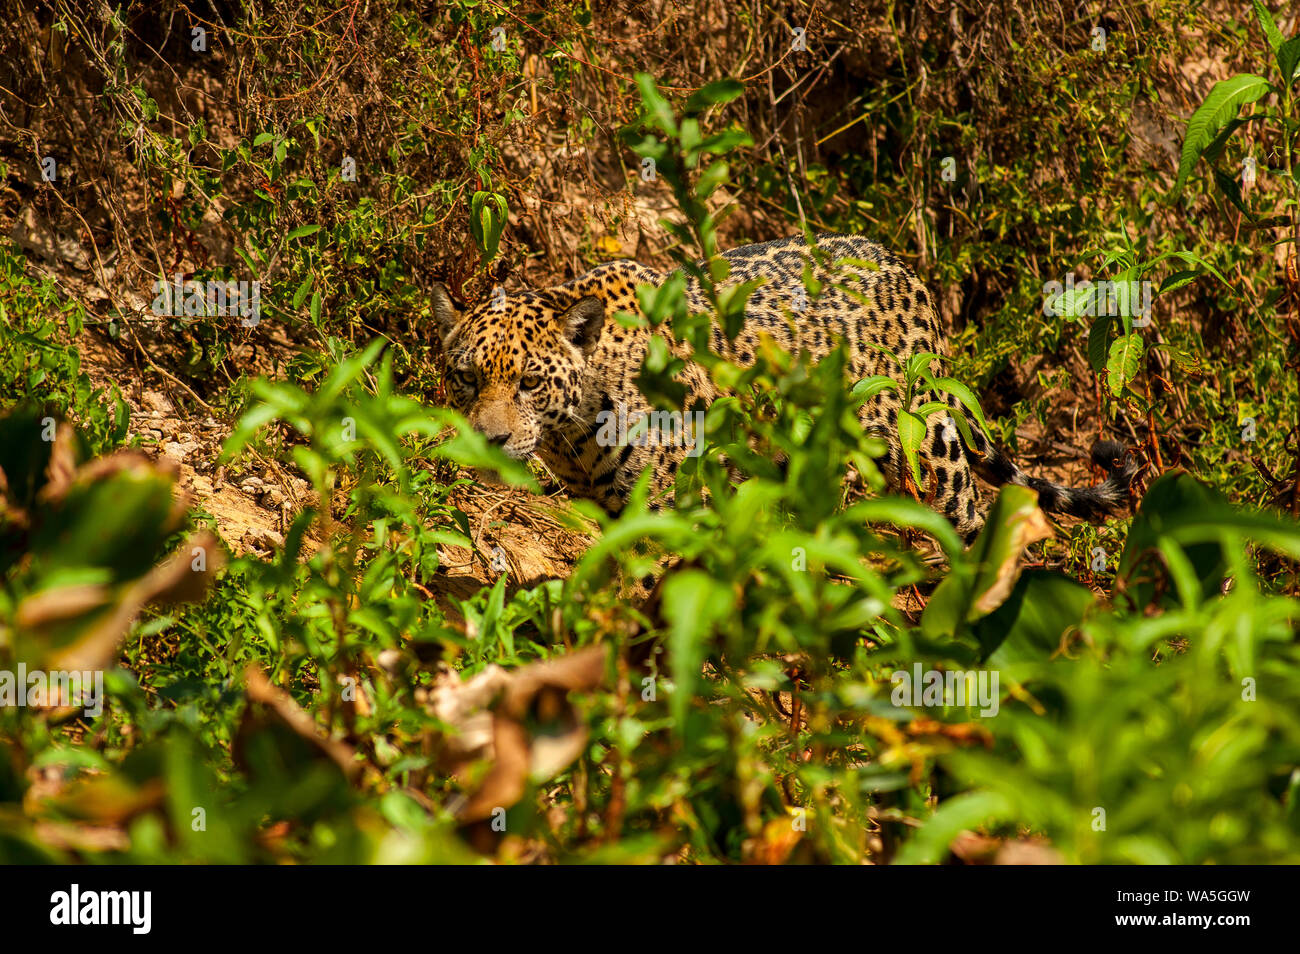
157, 402
43, 239
178, 452
389, 660
263, 538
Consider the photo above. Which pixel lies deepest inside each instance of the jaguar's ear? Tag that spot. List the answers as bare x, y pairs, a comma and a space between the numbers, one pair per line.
583, 321
446, 315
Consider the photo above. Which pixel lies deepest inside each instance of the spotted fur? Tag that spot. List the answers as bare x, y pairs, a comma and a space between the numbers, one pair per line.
534, 370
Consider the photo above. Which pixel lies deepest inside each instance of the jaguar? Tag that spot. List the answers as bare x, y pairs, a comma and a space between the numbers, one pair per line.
544, 372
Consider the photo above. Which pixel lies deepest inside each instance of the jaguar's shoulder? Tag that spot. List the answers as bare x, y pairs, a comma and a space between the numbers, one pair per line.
612, 281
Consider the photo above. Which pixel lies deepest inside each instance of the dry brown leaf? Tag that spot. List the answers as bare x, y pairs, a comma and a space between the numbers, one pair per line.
965, 733
60, 604
536, 694
1029, 526
282, 707
1028, 851
773, 847
62, 465
466, 707
173, 581
101, 799
82, 838
974, 849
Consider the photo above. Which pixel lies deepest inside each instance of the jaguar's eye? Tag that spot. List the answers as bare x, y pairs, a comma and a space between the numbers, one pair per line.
530, 382
467, 377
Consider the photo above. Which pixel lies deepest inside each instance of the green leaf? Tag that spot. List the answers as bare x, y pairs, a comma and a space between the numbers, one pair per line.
1228, 186
1179, 279
724, 142
868, 388
1029, 626
300, 295
931, 408
1288, 58
904, 512
960, 813
1215, 149
1174, 501
1098, 335
248, 260
962, 393
469, 448
963, 427
119, 522
1125, 361
715, 93
1219, 109
911, 432
658, 112
1014, 521
487, 219
1191, 259
712, 177
1267, 24
1074, 302
919, 364
693, 602
302, 231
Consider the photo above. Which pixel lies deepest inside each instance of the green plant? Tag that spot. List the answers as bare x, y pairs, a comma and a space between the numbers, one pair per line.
40, 364
332, 702
912, 420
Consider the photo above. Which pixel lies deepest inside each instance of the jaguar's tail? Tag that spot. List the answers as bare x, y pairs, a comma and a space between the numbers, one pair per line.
1090, 503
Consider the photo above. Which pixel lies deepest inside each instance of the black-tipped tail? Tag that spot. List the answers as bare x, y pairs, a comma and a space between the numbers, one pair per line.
1090, 503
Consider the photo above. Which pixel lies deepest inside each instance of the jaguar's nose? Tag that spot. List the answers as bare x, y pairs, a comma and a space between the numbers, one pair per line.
498, 439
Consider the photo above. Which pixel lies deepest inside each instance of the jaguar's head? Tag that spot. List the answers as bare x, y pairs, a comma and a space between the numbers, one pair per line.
516, 363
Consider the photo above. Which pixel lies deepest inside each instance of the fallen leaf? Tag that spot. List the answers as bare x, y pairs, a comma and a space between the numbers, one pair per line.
535, 730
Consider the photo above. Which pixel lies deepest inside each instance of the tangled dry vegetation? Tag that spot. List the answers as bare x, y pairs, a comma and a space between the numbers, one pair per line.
434, 118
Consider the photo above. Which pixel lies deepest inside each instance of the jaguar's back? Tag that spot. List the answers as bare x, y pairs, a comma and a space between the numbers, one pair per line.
867, 296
